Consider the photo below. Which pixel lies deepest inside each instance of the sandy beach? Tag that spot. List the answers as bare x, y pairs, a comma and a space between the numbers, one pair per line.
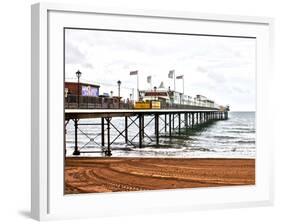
96, 174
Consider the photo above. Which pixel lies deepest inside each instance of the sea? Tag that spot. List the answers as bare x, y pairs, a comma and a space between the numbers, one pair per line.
231, 138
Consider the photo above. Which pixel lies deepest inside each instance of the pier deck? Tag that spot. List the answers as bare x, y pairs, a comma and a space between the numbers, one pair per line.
98, 113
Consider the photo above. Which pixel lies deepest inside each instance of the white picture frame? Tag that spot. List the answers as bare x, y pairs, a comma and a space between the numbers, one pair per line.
48, 201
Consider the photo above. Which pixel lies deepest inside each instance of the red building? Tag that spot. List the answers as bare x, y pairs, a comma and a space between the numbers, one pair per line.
85, 89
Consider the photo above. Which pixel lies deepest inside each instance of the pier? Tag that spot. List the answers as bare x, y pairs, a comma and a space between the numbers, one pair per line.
175, 122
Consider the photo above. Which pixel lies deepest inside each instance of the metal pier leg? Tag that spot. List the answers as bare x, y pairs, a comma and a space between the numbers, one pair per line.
173, 121
192, 120
102, 131
108, 152
179, 120
157, 128
204, 117
155, 124
165, 120
142, 126
126, 129
185, 123
140, 131
170, 125
76, 151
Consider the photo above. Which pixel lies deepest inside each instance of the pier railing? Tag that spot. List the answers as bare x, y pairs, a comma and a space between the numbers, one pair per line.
89, 102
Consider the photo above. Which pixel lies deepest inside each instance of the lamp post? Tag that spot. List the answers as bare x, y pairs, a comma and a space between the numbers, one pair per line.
155, 92
119, 84
78, 74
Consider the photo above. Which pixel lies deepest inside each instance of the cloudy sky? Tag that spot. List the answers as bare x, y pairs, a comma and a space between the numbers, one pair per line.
220, 68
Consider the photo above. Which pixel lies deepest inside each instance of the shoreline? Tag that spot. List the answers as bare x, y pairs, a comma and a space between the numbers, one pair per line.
117, 174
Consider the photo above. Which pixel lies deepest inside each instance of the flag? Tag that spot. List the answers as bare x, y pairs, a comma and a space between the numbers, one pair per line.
149, 79
171, 74
179, 77
134, 72
161, 85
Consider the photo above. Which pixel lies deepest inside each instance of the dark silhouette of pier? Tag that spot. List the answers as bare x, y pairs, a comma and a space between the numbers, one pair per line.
177, 120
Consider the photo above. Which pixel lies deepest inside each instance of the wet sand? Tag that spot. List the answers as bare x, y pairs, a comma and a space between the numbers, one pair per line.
96, 174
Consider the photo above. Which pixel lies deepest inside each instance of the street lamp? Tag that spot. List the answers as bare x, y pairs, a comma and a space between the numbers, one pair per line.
78, 74
155, 92
119, 84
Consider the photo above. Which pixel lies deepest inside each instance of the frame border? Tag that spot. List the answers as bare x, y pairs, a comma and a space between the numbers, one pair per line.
39, 90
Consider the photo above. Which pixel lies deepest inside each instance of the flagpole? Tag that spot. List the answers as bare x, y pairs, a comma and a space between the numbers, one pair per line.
182, 84
174, 81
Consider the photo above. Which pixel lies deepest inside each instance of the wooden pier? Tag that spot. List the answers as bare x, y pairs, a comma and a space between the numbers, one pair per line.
174, 120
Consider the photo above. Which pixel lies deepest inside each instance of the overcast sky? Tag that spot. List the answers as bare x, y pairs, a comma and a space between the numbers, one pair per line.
220, 68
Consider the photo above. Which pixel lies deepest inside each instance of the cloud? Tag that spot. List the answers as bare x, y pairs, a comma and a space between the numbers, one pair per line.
220, 68
73, 55
202, 69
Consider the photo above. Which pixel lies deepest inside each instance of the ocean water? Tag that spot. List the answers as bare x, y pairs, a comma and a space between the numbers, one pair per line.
232, 138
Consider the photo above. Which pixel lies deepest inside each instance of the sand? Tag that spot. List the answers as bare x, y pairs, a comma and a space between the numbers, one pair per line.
93, 174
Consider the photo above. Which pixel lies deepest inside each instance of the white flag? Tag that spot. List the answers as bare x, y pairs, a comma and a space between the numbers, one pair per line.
134, 72
171, 74
161, 86
149, 79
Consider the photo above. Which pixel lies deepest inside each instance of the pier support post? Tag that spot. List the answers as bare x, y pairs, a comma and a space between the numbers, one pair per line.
170, 125
165, 120
126, 129
142, 126
185, 123
192, 120
108, 151
179, 120
140, 130
157, 128
173, 121
76, 151
102, 131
